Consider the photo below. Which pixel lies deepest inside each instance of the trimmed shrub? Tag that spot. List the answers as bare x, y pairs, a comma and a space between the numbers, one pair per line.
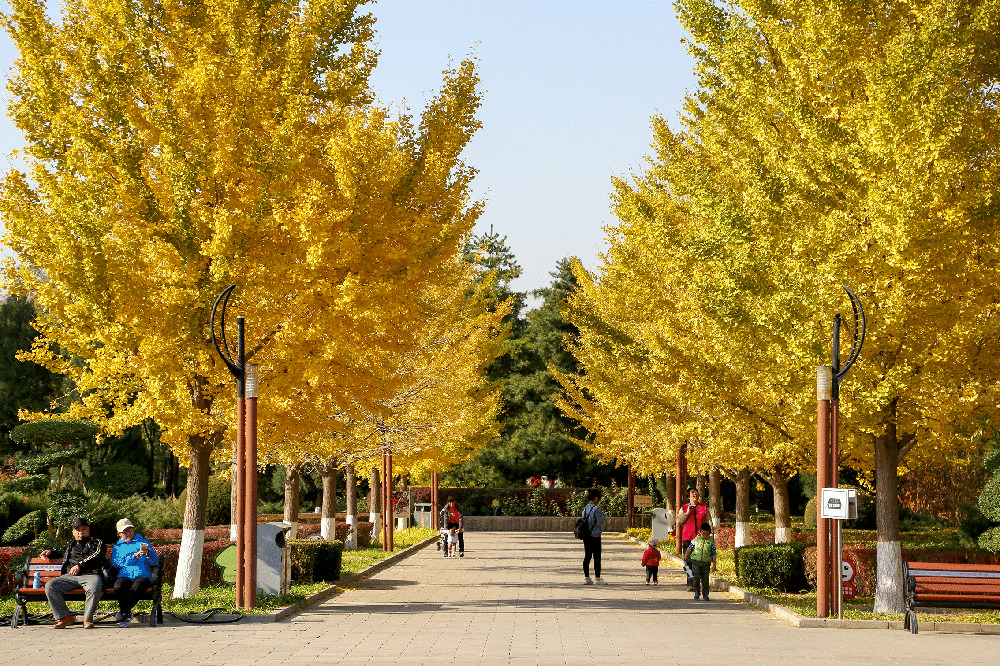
219, 501
776, 566
990, 540
211, 573
809, 515
725, 537
989, 499
315, 560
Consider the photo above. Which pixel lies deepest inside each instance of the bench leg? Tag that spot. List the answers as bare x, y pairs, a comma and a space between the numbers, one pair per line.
912, 617
14, 618
152, 616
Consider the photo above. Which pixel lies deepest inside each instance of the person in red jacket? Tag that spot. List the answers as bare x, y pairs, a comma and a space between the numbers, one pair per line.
651, 560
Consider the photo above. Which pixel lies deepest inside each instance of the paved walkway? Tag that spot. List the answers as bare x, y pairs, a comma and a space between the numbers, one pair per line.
514, 598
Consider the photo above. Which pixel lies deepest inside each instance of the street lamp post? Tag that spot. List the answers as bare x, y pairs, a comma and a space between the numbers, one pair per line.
828, 379
246, 450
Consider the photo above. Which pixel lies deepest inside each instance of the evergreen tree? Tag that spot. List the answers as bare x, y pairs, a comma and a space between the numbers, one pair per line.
23, 384
535, 438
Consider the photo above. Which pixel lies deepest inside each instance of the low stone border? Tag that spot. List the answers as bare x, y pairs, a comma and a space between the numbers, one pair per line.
336, 588
797, 620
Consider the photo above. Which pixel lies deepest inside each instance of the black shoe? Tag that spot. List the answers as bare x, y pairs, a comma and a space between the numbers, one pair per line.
462, 554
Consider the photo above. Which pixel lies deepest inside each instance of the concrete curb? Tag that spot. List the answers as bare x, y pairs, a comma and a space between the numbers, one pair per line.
336, 588
801, 621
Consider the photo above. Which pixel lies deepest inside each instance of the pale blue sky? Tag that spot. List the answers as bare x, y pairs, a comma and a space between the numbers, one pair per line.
570, 89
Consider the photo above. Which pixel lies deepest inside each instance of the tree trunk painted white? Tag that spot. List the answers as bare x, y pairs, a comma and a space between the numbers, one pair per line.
328, 528
889, 554
889, 577
782, 506
328, 507
292, 500
351, 494
742, 480
742, 535
715, 497
188, 578
375, 506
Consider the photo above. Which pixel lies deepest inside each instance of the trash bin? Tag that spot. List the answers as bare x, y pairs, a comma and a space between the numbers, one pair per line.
422, 514
274, 561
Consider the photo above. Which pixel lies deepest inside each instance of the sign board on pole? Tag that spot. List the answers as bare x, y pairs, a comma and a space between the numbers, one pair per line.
839, 503
643, 501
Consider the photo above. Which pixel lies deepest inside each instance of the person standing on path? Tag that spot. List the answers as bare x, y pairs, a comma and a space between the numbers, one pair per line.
689, 518
651, 560
592, 544
451, 518
701, 554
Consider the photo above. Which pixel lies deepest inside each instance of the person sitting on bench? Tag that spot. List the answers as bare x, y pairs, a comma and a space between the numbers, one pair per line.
83, 566
135, 558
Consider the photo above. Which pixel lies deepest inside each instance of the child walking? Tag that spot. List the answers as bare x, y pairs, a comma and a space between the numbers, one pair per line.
701, 555
651, 560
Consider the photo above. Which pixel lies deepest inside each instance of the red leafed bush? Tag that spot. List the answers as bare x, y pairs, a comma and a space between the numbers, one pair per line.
213, 533
725, 537
211, 574
865, 567
11, 559
364, 533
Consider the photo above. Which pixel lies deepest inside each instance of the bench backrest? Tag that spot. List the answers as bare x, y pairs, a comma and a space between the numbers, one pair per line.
46, 569
940, 582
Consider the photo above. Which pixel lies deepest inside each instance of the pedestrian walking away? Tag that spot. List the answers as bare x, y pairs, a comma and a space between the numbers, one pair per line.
592, 542
701, 555
651, 560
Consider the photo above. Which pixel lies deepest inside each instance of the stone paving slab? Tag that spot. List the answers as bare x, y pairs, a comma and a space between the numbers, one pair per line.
516, 598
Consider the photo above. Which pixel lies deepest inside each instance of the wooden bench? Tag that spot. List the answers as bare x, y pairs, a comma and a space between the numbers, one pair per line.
25, 591
938, 585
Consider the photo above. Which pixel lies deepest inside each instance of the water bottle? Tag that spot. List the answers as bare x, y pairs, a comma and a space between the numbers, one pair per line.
38, 580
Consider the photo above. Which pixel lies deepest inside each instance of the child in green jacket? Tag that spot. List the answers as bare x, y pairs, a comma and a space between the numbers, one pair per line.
701, 554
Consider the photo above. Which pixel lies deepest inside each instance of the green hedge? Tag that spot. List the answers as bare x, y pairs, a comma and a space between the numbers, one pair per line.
315, 560
775, 566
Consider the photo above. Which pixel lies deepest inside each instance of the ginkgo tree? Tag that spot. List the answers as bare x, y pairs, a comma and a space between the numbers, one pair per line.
825, 145
175, 148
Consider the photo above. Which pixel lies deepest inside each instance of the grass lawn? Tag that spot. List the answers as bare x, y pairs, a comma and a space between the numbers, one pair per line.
224, 596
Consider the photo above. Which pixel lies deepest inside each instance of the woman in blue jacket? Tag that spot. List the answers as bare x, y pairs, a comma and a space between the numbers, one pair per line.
135, 559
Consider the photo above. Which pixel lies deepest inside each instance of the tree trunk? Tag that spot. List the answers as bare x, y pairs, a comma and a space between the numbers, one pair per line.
715, 497
742, 480
188, 578
292, 500
782, 506
699, 483
375, 506
328, 508
351, 481
888, 550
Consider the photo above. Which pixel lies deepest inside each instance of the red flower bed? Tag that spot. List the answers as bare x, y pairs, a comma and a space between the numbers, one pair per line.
725, 537
11, 559
865, 567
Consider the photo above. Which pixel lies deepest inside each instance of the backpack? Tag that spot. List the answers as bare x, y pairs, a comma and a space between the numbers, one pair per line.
582, 528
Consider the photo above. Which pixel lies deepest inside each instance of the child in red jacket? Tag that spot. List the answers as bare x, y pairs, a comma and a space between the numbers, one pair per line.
651, 560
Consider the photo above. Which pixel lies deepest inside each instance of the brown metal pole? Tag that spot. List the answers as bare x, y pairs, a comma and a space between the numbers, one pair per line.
823, 393
434, 501
681, 485
392, 530
630, 510
385, 532
240, 481
832, 471
250, 511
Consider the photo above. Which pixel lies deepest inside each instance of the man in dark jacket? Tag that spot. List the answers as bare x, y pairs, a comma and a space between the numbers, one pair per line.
83, 566
451, 519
